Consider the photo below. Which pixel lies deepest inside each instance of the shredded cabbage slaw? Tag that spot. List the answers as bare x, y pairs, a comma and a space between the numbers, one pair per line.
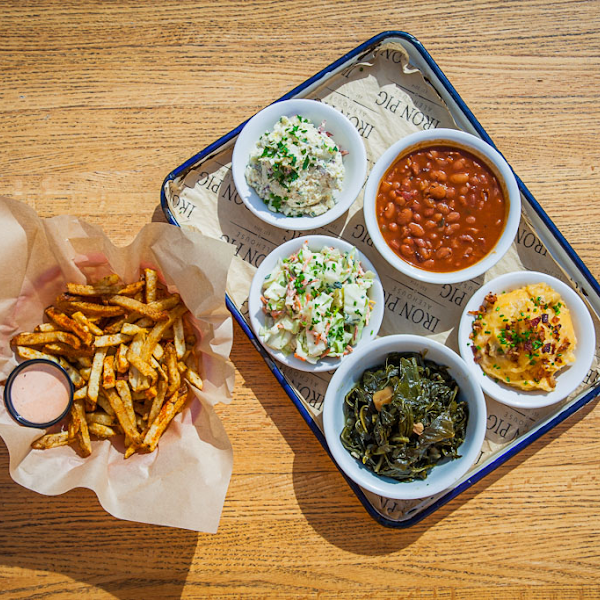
316, 303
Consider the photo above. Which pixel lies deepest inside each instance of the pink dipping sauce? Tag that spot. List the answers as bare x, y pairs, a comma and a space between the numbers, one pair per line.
40, 393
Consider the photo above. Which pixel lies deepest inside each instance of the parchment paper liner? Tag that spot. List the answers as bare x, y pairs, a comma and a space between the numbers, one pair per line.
183, 483
386, 98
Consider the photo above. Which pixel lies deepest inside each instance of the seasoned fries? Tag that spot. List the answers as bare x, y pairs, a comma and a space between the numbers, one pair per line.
46, 337
72, 304
129, 353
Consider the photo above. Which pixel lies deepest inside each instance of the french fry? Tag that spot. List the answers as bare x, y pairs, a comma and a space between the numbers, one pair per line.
139, 307
89, 309
166, 303
66, 322
143, 322
84, 361
107, 285
84, 321
117, 324
81, 393
190, 336
105, 290
135, 347
158, 352
156, 365
173, 375
104, 404
137, 380
51, 440
150, 392
122, 362
44, 327
122, 416
169, 409
161, 390
112, 279
83, 434
95, 375
72, 372
143, 367
150, 276
99, 418
132, 318
111, 340
28, 353
194, 378
125, 395
130, 449
46, 337
68, 351
131, 329
109, 377
156, 334
101, 431
73, 428
133, 289
179, 337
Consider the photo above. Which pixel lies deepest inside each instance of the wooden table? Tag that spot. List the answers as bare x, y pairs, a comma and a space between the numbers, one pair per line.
99, 101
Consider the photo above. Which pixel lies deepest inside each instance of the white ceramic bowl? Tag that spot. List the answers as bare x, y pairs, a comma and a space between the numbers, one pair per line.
257, 316
474, 145
444, 474
343, 132
569, 378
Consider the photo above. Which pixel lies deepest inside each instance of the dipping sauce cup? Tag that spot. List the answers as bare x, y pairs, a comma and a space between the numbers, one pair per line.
38, 393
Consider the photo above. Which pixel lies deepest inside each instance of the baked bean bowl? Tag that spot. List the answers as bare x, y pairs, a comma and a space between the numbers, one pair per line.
442, 206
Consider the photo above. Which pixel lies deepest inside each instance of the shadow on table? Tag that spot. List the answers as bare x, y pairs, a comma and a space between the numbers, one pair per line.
323, 495
71, 534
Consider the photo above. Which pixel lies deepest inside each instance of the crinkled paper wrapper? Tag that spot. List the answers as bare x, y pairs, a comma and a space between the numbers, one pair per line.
183, 483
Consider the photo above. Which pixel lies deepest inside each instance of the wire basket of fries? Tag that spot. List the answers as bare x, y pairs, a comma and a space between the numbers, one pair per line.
146, 348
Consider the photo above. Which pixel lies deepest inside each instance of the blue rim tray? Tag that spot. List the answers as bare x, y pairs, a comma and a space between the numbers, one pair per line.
560, 249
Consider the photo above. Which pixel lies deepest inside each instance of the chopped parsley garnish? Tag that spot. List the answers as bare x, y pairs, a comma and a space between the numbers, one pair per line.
275, 200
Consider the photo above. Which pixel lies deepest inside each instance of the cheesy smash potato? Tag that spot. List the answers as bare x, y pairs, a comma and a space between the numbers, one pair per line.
524, 337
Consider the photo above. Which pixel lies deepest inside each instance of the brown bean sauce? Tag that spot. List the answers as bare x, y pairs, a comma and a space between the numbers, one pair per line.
441, 208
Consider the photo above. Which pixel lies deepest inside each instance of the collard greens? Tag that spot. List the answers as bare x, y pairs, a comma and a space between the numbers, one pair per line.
404, 416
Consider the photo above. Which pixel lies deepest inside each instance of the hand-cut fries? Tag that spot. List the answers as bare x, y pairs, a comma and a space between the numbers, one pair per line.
129, 353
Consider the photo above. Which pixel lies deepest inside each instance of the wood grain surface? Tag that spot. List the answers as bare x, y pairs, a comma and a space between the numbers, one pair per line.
100, 100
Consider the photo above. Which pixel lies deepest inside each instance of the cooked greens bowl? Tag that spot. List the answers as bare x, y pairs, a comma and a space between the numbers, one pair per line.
403, 417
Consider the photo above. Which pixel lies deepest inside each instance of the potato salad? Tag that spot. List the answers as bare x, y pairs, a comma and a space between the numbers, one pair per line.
316, 303
297, 168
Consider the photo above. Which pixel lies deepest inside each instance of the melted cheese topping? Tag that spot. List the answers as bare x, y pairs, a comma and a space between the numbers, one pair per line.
524, 337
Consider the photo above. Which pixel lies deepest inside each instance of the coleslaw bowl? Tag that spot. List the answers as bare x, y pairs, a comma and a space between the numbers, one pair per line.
258, 316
